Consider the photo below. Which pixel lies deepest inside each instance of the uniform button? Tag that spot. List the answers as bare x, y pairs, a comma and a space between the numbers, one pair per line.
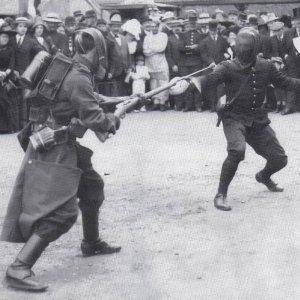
30, 162
254, 81
254, 95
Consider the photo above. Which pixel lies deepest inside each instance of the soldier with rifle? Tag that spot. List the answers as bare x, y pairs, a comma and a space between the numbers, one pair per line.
244, 117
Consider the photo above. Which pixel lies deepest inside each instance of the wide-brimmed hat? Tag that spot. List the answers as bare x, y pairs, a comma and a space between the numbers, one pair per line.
275, 26
169, 15
271, 18
22, 20
52, 18
204, 18
277, 59
5, 28
38, 22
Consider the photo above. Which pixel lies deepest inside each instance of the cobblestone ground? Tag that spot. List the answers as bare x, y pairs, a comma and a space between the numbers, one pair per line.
162, 172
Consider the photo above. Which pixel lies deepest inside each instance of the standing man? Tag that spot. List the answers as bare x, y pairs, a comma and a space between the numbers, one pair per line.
292, 60
43, 205
173, 55
246, 120
213, 49
70, 25
90, 18
190, 61
78, 15
121, 59
58, 41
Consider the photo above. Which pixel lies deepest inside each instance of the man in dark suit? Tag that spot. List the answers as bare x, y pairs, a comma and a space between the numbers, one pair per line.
121, 60
190, 61
70, 25
58, 41
292, 60
173, 55
212, 50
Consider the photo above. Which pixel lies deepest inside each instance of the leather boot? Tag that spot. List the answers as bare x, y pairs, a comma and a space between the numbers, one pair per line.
19, 274
268, 182
92, 244
220, 202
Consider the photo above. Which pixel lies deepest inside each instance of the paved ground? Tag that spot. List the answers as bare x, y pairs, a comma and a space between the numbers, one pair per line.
163, 172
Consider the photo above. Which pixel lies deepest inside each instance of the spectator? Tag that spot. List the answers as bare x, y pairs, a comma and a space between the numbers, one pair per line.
8, 111
190, 61
61, 29
40, 30
25, 49
173, 56
292, 60
202, 23
78, 15
154, 48
165, 20
59, 42
213, 49
121, 60
139, 76
90, 18
70, 26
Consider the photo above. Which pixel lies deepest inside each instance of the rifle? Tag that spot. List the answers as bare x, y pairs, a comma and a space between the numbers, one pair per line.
126, 105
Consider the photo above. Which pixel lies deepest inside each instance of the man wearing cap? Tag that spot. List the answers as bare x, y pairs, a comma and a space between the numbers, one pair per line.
121, 59
59, 41
246, 121
292, 60
70, 26
213, 49
43, 205
78, 15
190, 61
90, 18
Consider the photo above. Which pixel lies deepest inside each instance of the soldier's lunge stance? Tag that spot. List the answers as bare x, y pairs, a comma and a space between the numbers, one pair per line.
244, 117
43, 203
246, 120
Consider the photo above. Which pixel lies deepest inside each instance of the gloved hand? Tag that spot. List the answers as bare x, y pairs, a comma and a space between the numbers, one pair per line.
116, 123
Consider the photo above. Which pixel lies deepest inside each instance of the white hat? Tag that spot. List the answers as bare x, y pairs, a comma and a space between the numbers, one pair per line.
22, 20
271, 17
204, 18
133, 26
52, 18
168, 15
296, 42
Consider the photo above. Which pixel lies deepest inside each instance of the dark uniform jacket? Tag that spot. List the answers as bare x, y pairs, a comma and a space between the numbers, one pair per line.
190, 57
264, 46
248, 107
287, 41
213, 51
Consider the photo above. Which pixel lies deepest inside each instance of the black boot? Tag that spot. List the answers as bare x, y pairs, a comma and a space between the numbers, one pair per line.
19, 274
268, 182
220, 202
92, 244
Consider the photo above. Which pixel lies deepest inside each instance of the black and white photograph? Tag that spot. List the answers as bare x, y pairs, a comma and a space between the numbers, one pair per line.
149, 149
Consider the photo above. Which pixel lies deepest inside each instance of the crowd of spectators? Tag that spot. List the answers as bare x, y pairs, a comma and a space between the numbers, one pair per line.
145, 54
